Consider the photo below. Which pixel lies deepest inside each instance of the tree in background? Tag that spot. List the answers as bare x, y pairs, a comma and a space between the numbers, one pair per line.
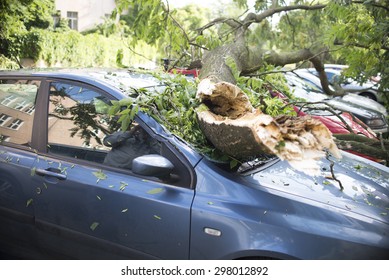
230, 47
17, 20
238, 46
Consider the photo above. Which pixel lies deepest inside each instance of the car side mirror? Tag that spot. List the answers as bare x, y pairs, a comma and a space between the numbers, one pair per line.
152, 165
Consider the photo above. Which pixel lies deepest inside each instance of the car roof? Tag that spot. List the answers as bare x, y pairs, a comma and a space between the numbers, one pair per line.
118, 80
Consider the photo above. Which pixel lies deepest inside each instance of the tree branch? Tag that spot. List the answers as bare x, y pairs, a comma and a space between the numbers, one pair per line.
256, 18
337, 43
372, 4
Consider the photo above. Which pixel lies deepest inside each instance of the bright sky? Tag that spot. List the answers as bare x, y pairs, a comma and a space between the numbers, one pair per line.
206, 3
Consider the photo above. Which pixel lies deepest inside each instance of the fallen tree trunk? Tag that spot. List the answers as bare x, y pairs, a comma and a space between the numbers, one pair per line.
362, 145
237, 129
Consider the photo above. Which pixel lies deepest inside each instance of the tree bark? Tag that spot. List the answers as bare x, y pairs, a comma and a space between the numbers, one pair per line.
237, 129
362, 145
232, 125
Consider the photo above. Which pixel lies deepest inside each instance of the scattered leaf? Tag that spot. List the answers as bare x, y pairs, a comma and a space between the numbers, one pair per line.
124, 210
99, 175
358, 167
210, 203
98, 197
368, 202
123, 186
157, 217
33, 171
384, 213
29, 202
155, 191
94, 225
233, 164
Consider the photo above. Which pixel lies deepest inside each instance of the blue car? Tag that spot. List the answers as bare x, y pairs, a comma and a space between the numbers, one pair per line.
60, 198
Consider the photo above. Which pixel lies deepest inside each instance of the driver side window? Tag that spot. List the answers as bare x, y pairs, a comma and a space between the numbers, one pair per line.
78, 127
77, 123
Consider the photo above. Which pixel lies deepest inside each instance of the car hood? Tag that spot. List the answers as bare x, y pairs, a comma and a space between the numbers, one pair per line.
365, 102
356, 109
365, 185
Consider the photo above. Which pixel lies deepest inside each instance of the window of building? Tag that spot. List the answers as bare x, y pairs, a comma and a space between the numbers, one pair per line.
73, 20
8, 100
17, 108
22, 105
16, 124
4, 118
30, 109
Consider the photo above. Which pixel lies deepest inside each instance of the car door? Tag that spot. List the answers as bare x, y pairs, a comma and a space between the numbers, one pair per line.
18, 104
89, 210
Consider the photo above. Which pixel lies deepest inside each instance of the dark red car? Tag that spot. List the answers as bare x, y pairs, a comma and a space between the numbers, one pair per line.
334, 123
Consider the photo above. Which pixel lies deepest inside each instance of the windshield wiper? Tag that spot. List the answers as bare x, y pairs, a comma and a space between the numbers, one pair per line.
257, 164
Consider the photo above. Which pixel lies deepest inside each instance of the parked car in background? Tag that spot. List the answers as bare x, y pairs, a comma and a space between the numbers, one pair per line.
368, 89
307, 86
337, 122
60, 200
193, 73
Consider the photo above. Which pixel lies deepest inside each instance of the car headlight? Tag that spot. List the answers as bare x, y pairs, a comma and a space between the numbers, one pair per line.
375, 122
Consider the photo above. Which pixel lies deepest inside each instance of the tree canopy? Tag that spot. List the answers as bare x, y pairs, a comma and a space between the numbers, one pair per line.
351, 32
232, 51
241, 48
17, 19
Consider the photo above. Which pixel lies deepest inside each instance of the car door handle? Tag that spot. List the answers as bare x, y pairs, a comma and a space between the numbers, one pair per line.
51, 172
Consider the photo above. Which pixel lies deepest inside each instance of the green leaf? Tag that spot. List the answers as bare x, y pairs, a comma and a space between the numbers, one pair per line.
100, 175
94, 225
233, 163
157, 217
358, 167
124, 210
155, 191
29, 202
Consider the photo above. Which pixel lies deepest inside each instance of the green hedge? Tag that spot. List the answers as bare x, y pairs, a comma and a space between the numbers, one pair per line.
72, 49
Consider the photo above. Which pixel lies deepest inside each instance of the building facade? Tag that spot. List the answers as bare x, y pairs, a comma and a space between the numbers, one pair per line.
84, 14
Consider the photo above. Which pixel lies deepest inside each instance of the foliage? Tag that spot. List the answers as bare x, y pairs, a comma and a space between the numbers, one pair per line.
302, 29
176, 107
174, 31
362, 31
6, 63
17, 20
72, 49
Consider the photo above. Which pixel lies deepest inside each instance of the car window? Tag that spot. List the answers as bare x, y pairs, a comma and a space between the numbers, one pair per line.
77, 123
79, 127
17, 108
332, 77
